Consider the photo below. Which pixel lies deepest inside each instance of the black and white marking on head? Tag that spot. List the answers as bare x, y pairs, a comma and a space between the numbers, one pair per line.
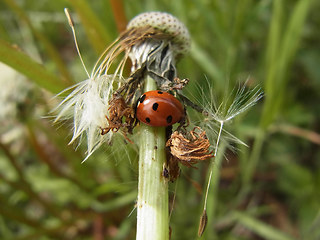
142, 98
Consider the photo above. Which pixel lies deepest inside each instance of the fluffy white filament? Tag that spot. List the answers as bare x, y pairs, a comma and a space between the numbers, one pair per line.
239, 101
87, 104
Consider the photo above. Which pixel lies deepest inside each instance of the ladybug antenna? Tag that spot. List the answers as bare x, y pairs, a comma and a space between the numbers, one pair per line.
71, 24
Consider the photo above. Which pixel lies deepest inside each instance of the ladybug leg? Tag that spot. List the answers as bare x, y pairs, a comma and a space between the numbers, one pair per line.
196, 107
184, 123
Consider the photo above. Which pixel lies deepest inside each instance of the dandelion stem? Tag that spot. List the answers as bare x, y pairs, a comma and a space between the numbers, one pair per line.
152, 202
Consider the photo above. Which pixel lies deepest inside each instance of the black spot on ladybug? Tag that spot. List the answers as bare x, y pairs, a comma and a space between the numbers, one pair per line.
148, 120
155, 106
160, 92
169, 119
143, 97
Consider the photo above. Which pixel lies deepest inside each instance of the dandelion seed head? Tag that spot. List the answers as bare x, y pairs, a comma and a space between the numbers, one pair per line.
168, 24
152, 41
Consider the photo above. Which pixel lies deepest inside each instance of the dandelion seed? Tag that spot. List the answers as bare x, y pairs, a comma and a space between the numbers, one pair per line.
217, 116
243, 99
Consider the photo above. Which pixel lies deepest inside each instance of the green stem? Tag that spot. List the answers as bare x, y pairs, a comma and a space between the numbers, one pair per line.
215, 167
152, 203
253, 159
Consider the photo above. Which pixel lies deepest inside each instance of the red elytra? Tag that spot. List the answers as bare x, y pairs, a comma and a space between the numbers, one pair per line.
158, 108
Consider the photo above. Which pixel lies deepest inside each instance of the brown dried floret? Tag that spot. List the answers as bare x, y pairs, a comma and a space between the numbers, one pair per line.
176, 84
190, 148
120, 116
179, 83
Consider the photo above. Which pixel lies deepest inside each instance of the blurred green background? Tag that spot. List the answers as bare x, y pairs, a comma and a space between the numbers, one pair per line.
268, 190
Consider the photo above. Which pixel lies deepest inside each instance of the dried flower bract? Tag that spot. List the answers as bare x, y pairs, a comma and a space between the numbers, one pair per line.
191, 147
120, 115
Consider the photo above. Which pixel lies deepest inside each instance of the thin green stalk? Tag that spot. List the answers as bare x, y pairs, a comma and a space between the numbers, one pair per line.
280, 52
207, 63
111, 205
253, 160
152, 203
212, 200
260, 228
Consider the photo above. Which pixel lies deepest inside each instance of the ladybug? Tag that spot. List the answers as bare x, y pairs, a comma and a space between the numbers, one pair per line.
159, 109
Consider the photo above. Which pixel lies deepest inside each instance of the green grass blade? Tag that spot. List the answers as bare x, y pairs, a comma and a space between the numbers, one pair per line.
263, 230
21, 62
207, 64
280, 54
50, 49
272, 55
